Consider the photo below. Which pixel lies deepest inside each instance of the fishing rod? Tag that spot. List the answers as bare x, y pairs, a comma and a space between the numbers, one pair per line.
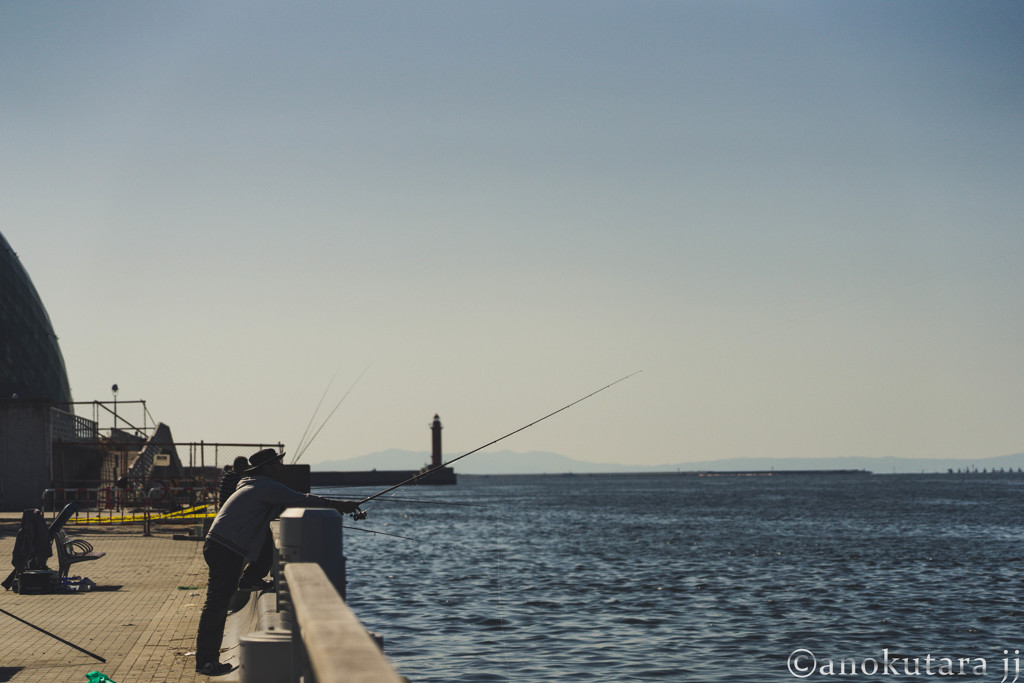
316, 410
491, 443
426, 502
329, 415
55, 637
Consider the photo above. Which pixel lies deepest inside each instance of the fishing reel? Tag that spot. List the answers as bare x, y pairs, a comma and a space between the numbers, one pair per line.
358, 514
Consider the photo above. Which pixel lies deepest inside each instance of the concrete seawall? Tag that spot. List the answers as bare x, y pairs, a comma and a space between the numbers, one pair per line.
304, 629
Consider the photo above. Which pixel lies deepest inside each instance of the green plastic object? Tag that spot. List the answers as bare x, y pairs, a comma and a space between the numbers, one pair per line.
97, 677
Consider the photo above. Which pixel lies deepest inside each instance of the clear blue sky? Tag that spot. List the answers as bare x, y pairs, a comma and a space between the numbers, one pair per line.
802, 221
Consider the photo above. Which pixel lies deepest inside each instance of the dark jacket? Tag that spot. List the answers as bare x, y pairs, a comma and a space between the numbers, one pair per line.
228, 485
243, 521
31, 546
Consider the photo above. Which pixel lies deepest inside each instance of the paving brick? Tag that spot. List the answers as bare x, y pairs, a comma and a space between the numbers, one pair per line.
141, 618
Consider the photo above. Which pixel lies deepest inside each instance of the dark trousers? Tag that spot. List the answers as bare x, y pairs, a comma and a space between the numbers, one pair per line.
225, 570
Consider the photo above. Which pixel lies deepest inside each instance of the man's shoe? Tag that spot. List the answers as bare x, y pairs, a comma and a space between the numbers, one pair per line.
257, 585
214, 669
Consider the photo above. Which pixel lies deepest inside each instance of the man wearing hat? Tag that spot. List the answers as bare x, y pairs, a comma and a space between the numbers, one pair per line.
236, 537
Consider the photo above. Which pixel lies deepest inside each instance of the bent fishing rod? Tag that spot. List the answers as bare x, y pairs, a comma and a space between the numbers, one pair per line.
359, 514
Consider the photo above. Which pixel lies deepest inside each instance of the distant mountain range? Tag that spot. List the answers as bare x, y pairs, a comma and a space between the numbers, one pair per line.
539, 462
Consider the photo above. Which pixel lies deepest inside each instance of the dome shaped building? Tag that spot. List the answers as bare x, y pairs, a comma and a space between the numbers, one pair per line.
31, 364
33, 385
46, 450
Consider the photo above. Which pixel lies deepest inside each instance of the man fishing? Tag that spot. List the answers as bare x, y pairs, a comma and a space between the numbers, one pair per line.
237, 536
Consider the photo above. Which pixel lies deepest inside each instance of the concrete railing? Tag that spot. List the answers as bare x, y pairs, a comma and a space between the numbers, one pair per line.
333, 646
308, 633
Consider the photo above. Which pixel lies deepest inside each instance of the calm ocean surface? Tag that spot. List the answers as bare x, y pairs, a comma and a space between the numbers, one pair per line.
680, 578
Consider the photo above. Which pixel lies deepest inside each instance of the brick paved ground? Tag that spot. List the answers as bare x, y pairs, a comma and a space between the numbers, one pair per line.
141, 618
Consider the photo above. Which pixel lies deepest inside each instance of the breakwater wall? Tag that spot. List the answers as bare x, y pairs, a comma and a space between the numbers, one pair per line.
437, 476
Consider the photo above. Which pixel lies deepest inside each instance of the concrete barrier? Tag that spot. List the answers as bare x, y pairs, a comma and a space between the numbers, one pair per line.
313, 535
305, 632
333, 646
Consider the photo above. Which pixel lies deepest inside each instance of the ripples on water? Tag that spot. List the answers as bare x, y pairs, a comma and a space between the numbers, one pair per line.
679, 578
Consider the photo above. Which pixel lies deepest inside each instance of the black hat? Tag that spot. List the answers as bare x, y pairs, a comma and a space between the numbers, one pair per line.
261, 458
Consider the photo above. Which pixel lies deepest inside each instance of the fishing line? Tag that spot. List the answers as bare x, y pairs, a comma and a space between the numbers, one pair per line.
450, 549
491, 443
501, 618
312, 417
393, 499
385, 533
329, 415
501, 621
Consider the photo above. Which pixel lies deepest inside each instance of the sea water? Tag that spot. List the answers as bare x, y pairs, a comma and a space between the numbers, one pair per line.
674, 577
